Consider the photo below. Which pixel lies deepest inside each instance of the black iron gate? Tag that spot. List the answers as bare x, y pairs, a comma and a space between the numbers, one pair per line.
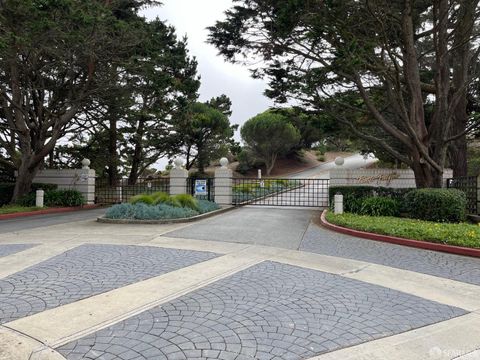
469, 185
123, 191
209, 193
281, 192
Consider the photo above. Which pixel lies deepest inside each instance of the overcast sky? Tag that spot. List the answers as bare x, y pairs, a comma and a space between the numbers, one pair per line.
191, 17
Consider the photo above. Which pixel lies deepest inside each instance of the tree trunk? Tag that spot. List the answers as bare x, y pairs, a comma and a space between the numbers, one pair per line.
137, 154
426, 176
461, 62
201, 161
270, 163
112, 152
25, 176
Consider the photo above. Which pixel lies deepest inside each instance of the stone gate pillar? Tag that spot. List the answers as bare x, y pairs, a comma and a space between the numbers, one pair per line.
178, 179
223, 184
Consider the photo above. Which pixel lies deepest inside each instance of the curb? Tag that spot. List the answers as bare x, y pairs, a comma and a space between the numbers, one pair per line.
167, 221
451, 249
47, 211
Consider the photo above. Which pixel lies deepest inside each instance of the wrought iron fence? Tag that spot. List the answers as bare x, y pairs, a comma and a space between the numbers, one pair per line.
469, 185
122, 192
281, 192
201, 188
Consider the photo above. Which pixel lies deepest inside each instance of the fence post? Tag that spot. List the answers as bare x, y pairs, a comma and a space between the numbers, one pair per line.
478, 195
223, 184
338, 204
178, 179
39, 198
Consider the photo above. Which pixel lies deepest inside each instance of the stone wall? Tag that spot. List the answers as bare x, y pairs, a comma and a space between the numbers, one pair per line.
82, 180
392, 178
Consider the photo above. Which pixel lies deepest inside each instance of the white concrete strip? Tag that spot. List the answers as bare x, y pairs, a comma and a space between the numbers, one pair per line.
61, 325
330, 264
35, 238
21, 260
218, 247
445, 340
446, 291
24, 347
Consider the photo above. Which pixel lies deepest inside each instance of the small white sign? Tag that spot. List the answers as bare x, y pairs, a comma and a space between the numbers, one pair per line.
200, 187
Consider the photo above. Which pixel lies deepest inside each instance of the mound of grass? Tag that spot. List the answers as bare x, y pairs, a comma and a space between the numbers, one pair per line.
462, 234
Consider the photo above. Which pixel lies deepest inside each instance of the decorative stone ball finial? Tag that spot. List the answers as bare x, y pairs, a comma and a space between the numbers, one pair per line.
178, 163
224, 162
339, 161
85, 164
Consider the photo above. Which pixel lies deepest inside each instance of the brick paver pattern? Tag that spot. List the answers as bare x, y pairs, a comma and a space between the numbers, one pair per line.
269, 311
9, 249
85, 271
454, 267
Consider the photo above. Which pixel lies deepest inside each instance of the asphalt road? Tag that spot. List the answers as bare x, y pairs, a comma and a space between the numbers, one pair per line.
31, 222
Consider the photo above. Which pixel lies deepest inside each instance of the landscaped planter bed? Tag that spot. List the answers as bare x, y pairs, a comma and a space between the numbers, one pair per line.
461, 239
165, 221
160, 208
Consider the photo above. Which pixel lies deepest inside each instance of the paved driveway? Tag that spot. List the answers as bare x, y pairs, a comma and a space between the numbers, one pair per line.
280, 227
230, 287
35, 221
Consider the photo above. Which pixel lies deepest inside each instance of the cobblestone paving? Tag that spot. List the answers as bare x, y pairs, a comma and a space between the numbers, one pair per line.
269, 311
455, 267
9, 249
85, 271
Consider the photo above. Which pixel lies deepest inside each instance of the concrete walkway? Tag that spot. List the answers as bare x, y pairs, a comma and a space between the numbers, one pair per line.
230, 287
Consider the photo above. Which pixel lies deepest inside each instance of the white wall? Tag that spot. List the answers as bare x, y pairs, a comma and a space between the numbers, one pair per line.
377, 177
82, 180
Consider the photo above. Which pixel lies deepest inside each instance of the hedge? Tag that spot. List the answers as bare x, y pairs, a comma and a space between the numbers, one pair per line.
440, 205
6, 190
52, 198
354, 196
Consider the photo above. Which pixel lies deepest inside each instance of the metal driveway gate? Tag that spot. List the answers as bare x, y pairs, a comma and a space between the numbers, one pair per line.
469, 185
281, 192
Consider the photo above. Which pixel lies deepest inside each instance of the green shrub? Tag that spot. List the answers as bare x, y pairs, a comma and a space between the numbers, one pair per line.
6, 191
246, 188
142, 211
205, 206
142, 198
353, 196
55, 198
186, 201
380, 206
66, 198
440, 205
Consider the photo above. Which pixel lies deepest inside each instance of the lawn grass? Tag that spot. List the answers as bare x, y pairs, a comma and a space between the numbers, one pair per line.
12, 209
462, 234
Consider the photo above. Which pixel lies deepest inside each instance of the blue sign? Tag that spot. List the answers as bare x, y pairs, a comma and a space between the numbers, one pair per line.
200, 187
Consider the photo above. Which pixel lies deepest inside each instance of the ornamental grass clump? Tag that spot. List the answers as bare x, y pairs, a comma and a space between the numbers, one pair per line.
186, 201
143, 198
